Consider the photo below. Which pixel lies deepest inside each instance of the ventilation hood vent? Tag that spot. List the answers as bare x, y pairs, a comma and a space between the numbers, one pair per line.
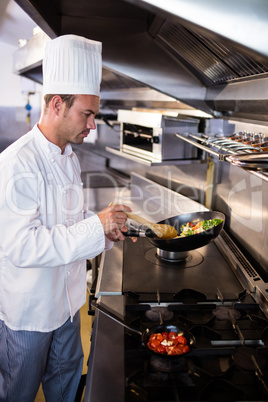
213, 61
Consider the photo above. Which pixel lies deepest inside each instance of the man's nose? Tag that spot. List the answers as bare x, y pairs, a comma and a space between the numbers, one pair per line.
91, 123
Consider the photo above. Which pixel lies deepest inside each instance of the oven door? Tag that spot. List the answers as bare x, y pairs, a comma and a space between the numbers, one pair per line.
141, 141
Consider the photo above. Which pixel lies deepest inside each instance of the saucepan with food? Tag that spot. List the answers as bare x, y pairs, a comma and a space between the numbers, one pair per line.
194, 230
167, 340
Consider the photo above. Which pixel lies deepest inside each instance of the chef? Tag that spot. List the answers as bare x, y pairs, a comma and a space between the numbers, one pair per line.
47, 233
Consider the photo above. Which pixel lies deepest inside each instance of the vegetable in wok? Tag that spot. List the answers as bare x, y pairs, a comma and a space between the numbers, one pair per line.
191, 228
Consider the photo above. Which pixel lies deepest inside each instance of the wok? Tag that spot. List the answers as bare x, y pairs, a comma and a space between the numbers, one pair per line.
183, 243
144, 336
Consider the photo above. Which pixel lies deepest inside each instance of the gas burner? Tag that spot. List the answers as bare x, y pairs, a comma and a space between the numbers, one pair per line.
171, 256
210, 367
159, 314
249, 358
221, 390
165, 258
222, 313
165, 365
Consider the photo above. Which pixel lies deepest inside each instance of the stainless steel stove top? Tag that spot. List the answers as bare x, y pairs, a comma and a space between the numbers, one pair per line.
204, 270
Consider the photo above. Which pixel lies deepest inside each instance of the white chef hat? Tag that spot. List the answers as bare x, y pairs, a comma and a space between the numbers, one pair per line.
72, 65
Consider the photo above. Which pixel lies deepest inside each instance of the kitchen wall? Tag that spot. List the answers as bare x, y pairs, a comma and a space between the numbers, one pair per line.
13, 99
242, 197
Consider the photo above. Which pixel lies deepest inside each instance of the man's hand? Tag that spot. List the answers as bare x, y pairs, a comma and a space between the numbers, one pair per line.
113, 220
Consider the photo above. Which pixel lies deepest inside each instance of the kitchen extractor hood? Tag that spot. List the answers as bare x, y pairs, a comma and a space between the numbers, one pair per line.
115, 88
210, 55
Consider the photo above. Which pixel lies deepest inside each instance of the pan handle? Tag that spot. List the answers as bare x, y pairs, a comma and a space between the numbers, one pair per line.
134, 233
115, 318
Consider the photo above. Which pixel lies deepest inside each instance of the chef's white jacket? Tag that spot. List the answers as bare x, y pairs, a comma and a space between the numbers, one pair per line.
45, 235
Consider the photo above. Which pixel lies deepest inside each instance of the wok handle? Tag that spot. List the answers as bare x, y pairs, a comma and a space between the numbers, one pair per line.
115, 318
134, 233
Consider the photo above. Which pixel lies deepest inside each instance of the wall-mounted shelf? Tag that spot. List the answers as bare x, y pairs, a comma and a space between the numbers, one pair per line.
228, 151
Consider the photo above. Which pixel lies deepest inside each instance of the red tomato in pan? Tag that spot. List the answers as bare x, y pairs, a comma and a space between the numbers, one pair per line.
161, 349
180, 340
172, 335
160, 337
174, 350
165, 335
185, 349
154, 343
168, 343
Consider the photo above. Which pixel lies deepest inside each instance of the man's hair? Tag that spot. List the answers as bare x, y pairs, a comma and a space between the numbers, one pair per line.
67, 99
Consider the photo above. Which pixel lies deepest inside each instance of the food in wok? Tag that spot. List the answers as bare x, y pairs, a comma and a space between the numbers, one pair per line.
184, 243
191, 228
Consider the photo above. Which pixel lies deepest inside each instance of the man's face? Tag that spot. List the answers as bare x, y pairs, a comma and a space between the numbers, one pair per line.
75, 123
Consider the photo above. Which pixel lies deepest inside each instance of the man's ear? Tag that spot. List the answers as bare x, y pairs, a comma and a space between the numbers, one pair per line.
56, 104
